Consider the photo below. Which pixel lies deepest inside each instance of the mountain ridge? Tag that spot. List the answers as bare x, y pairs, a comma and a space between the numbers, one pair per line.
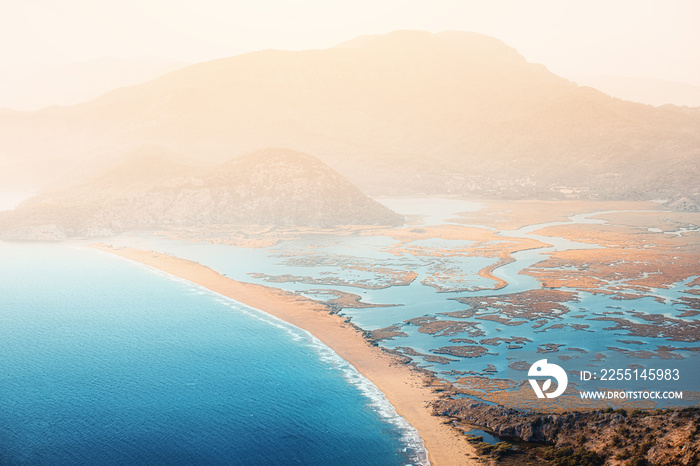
404, 113
72, 83
650, 91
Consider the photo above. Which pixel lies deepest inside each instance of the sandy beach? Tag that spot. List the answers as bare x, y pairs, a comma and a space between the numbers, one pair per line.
403, 387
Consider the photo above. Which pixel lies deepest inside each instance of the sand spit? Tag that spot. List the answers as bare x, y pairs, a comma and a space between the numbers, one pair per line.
402, 386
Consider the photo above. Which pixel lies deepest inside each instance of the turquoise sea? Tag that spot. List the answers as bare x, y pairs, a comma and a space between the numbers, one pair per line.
103, 361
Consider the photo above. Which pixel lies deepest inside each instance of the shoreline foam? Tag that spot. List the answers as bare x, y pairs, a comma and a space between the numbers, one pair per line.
402, 387
410, 435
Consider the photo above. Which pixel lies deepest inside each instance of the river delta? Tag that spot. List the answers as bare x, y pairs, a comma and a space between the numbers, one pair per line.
473, 291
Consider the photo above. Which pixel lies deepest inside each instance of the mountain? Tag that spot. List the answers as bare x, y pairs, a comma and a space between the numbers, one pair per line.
645, 90
276, 187
73, 83
681, 203
408, 112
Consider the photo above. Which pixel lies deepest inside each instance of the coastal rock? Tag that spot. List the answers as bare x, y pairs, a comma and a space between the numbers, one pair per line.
657, 437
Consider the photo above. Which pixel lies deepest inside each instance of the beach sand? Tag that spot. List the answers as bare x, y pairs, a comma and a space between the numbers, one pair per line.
402, 386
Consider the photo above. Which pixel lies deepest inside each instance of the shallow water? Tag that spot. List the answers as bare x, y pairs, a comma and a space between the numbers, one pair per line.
331, 256
488, 438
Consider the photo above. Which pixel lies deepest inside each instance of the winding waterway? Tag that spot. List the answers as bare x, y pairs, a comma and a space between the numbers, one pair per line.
332, 262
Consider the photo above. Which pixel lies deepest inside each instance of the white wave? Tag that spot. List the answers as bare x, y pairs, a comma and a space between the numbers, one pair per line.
378, 401
293, 332
410, 437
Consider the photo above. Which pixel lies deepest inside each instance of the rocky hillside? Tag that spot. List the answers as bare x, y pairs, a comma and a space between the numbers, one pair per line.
611, 437
268, 187
408, 112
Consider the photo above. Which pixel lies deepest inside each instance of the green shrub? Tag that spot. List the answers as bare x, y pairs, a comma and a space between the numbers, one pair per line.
503, 449
616, 441
471, 438
637, 461
571, 457
484, 448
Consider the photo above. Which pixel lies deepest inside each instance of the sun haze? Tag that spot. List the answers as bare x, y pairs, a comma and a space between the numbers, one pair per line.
648, 39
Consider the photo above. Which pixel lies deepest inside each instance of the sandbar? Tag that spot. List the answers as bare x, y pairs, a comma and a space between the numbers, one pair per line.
404, 387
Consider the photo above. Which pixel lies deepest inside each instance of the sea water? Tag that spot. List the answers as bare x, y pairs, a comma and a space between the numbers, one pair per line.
103, 361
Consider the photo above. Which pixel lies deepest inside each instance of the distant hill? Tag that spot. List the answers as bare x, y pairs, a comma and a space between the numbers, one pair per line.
269, 187
79, 82
645, 90
142, 167
403, 113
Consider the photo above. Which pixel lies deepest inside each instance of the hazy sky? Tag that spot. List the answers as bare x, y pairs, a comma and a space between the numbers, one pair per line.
658, 39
